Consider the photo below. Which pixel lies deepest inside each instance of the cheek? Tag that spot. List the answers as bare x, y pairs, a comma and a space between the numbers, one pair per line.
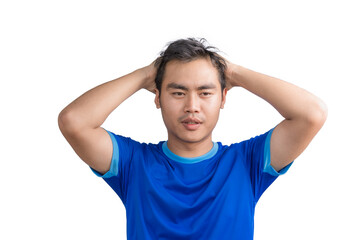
169, 106
212, 115
212, 110
213, 104
170, 111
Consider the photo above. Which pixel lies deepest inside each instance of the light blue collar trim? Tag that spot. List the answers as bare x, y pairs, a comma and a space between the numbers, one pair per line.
177, 158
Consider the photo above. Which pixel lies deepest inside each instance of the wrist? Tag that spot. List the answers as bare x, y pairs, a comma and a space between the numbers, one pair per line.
148, 74
234, 75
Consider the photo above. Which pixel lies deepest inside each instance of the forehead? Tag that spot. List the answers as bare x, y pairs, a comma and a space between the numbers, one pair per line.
191, 74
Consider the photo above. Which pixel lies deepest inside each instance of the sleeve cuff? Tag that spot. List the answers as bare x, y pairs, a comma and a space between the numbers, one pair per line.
267, 159
114, 166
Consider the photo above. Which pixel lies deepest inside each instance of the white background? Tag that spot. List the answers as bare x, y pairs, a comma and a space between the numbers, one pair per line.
53, 51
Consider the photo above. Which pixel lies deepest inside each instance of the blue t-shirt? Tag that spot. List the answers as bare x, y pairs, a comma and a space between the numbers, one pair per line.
208, 197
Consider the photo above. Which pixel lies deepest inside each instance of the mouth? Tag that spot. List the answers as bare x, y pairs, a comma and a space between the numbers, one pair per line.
191, 124
191, 121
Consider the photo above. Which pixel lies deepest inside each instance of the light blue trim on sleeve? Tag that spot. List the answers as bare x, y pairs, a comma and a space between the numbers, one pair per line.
267, 159
114, 167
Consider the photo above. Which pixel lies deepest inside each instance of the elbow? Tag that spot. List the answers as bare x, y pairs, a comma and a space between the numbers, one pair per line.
63, 120
67, 122
318, 114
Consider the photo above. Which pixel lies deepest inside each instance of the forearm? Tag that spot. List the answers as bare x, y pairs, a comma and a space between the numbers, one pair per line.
92, 108
290, 101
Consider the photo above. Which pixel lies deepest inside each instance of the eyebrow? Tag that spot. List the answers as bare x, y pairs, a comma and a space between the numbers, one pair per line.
182, 87
176, 86
207, 86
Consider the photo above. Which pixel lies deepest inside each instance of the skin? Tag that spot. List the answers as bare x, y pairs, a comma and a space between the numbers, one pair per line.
190, 92
183, 96
304, 113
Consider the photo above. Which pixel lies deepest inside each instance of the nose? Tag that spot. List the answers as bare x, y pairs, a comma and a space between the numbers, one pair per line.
192, 104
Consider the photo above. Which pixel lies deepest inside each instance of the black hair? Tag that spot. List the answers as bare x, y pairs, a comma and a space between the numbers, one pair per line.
186, 50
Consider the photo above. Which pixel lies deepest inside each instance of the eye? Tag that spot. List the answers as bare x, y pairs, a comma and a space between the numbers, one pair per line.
206, 94
178, 94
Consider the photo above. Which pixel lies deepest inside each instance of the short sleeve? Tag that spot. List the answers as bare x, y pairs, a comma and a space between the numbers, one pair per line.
267, 158
114, 166
258, 160
121, 164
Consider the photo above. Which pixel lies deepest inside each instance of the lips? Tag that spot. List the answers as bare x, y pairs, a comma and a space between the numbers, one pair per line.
191, 120
191, 123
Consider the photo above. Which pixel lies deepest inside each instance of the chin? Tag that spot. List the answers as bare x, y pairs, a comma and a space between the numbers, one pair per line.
194, 138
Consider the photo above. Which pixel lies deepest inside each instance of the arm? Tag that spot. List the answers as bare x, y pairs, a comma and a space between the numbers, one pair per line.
304, 113
80, 121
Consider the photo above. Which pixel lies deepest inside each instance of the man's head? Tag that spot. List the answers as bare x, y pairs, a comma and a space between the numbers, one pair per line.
193, 91
186, 50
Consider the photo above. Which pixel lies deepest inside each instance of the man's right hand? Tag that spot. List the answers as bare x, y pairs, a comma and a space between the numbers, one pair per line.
150, 74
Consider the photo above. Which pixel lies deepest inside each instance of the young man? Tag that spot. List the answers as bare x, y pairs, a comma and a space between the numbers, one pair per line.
190, 187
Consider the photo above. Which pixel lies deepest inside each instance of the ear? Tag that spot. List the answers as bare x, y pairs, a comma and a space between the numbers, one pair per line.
223, 100
157, 98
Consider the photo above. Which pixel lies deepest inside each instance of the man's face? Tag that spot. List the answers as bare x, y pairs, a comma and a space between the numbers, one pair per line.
190, 100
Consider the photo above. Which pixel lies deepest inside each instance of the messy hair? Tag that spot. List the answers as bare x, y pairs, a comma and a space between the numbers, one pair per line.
186, 50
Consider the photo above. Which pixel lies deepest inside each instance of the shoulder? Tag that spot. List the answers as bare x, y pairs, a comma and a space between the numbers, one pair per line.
260, 139
127, 143
249, 147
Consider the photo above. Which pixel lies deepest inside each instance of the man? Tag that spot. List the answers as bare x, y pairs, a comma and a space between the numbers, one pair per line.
190, 187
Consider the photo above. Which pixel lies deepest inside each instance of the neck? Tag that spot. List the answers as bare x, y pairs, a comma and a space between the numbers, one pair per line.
190, 149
